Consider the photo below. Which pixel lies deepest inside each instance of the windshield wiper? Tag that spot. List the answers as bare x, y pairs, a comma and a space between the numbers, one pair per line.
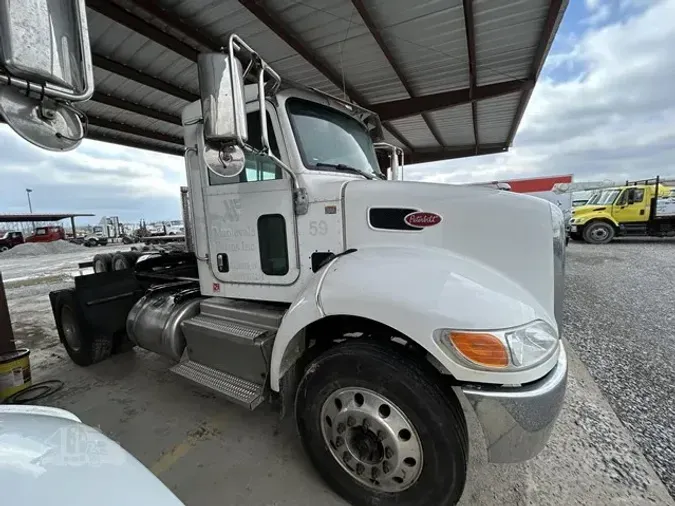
348, 168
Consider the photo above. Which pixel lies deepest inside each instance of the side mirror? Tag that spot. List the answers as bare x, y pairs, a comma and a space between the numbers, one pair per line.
45, 63
46, 42
631, 197
221, 86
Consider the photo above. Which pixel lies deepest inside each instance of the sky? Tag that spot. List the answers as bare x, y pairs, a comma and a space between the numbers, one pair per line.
604, 108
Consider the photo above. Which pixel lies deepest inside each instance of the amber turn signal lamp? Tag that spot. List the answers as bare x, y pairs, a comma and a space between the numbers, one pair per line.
483, 349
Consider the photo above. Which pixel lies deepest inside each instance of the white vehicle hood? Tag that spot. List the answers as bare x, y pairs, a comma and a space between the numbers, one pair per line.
48, 457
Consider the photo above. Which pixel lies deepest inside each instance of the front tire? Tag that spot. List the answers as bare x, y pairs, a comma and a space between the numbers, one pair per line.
598, 232
380, 429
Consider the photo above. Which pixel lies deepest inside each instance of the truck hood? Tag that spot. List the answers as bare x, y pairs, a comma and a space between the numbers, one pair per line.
510, 233
578, 211
47, 456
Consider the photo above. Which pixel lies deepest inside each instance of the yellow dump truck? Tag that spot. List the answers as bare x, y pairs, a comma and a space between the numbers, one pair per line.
638, 208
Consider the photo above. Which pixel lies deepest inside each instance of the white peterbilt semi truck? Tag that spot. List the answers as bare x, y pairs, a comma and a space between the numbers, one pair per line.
366, 307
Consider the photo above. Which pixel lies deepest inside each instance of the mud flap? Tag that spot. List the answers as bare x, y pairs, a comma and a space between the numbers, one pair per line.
102, 302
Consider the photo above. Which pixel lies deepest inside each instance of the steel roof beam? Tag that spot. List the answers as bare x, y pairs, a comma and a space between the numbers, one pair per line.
271, 20
133, 130
470, 28
398, 135
411, 106
554, 10
126, 105
128, 72
179, 26
138, 144
448, 154
139, 25
377, 35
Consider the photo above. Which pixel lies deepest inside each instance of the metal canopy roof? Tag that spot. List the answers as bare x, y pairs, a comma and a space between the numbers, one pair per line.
449, 79
18, 218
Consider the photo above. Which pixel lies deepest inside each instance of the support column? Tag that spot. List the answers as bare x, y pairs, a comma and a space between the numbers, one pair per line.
6, 333
72, 224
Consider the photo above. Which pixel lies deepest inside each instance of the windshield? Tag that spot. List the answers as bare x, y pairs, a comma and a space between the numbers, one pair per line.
605, 197
326, 136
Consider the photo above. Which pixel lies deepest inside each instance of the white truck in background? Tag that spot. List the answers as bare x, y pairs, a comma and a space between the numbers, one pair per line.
365, 307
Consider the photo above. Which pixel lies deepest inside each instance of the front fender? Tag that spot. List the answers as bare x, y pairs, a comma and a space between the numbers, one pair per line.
585, 219
417, 290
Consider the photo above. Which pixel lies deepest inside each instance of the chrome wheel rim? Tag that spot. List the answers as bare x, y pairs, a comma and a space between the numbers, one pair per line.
599, 233
70, 329
372, 439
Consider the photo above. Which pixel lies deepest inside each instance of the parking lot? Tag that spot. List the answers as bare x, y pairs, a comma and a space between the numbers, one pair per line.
614, 435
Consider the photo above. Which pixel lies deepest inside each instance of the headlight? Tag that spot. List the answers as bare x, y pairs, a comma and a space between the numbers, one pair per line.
532, 344
512, 349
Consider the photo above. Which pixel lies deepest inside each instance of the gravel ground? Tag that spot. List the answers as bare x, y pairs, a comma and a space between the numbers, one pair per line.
620, 318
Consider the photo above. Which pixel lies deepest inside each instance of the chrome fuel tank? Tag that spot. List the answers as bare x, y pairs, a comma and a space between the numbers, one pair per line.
154, 322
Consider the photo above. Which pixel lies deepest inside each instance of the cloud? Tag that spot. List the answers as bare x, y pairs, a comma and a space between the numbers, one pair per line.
97, 177
601, 13
614, 118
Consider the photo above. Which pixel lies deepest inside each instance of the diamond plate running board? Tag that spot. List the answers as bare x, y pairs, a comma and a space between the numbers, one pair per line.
237, 390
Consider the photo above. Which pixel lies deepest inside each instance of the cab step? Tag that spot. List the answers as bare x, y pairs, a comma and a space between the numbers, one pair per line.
234, 388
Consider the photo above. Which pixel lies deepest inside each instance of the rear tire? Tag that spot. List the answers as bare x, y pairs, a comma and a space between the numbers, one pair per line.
123, 260
83, 349
423, 463
102, 262
598, 232
4, 248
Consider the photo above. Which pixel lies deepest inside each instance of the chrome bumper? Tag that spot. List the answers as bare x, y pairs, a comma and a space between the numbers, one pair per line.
517, 422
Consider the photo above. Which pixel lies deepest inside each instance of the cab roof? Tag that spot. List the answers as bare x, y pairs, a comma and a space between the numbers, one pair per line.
449, 79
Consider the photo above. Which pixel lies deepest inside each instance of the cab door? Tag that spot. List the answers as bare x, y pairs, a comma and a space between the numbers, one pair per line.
631, 206
250, 219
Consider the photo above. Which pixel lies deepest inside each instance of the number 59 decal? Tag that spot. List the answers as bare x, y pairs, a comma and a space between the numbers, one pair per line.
318, 228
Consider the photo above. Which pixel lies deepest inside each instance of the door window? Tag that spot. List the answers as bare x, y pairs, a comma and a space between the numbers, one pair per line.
257, 167
273, 244
638, 196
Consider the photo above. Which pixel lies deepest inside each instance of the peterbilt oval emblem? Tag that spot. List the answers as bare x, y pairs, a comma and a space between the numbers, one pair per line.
421, 219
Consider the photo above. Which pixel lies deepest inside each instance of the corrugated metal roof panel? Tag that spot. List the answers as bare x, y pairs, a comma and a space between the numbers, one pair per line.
335, 32
220, 19
416, 131
112, 84
495, 117
455, 125
388, 137
125, 46
428, 40
130, 118
507, 34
